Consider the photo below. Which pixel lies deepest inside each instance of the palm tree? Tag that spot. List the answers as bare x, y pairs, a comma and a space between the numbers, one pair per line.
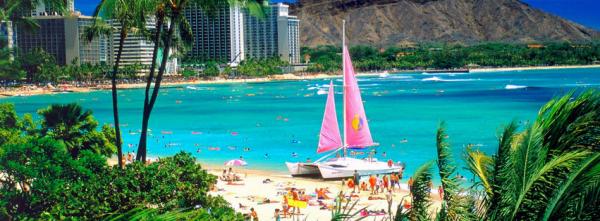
454, 205
130, 15
549, 171
75, 127
171, 12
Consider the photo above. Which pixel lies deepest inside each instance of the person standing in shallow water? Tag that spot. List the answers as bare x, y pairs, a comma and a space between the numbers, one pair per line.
356, 181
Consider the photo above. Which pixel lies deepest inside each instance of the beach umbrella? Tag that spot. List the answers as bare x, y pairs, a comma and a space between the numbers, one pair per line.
236, 162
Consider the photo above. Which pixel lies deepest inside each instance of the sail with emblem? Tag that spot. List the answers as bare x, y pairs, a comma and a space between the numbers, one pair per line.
329, 137
357, 133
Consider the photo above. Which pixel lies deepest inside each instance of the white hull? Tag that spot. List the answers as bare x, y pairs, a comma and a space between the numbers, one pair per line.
302, 169
344, 167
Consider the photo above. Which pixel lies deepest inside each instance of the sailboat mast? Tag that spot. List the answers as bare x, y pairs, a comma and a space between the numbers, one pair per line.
344, 84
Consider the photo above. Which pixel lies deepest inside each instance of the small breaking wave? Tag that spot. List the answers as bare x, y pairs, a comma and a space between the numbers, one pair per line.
321, 92
514, 86
438, 79
432, 79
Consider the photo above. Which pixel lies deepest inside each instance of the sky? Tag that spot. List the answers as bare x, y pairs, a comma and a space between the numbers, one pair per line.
585, 12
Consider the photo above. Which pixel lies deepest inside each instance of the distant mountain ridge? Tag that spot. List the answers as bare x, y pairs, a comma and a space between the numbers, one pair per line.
397, 22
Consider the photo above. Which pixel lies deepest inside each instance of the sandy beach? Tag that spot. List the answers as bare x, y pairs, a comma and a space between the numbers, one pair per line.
253, 192
32, 90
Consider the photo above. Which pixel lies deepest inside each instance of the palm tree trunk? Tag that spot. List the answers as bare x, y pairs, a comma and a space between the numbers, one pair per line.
122, 37
141, 154
146, 115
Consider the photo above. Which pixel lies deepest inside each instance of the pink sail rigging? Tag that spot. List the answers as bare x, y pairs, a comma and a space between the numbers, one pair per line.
357, 127
329, 138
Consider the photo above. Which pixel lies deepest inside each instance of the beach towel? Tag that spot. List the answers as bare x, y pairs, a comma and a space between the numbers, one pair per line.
296, 203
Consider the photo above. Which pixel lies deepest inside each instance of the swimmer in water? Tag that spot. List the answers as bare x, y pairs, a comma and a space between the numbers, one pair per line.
294, 154
246, 149
266, 156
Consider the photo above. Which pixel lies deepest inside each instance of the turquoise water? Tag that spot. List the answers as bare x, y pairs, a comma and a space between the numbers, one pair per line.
278, 118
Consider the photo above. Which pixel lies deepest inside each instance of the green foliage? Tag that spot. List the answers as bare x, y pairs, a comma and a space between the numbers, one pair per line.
43, 181
328, 59
261, 67
211, 70
454, 206
75, 127
188, 73
420, 193
36, 65
343, 211
548, 171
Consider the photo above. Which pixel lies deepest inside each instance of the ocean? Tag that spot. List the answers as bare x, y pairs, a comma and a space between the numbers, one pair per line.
265, 123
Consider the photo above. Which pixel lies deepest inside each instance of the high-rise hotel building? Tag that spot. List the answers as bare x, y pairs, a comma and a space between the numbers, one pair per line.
231, 35
276, 35
137, 50
61, 36
218, 37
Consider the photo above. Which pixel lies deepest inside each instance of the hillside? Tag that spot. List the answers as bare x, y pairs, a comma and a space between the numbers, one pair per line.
394, 22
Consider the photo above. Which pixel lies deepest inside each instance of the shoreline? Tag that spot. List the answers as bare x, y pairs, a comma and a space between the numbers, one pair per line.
33, 91
265, 197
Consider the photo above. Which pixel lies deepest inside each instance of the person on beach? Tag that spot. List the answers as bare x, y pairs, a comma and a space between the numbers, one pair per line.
277, 216
285, 205
356, 177
410, 183
390, 163
386, 182
393, 181
295, 197
372, 182
379, 185
441, 192
351, 184
363, 186
253, 214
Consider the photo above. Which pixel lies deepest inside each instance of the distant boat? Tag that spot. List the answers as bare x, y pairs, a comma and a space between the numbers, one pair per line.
356, 135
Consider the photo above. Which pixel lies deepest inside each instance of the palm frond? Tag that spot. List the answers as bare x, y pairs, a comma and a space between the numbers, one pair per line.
420, 193
581, 182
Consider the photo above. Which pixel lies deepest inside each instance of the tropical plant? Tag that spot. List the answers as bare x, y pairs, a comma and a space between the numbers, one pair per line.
419, 194
177, 30
550, 170
130, 17
454, 205
75, 127
345, 211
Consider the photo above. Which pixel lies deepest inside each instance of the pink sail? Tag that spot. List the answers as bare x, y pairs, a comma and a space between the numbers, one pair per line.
357, 127
329, 138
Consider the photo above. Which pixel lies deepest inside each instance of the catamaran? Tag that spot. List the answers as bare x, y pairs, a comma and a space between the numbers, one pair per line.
356, 134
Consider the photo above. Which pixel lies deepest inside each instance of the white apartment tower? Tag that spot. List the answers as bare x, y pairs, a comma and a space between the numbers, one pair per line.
218, 37
276, 35
137, 50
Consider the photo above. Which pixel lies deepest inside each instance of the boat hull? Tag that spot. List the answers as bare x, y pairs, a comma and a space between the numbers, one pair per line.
302, 169
345, 167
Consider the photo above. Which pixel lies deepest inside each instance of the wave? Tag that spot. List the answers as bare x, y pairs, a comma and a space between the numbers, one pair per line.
446, 73
514, 86
438, 79
400, 77
432, 79
321, 92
